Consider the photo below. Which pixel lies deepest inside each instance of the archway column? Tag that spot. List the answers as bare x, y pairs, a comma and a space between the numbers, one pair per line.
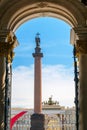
79, 40
7, 43
81, 47
2, 91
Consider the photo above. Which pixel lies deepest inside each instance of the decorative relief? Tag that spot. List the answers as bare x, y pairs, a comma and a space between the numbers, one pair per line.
6, 48
11, 38
81, 33
42, 4
10, 57
81, 47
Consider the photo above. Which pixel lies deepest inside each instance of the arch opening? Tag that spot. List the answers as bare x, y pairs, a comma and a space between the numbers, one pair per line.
51, 58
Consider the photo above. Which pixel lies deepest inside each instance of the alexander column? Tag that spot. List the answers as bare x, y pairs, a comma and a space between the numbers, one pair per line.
37, 119
37, 76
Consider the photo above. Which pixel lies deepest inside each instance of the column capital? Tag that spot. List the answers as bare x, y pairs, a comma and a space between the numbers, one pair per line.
79, 39
81, 47
81, 33
8, 42
78, 33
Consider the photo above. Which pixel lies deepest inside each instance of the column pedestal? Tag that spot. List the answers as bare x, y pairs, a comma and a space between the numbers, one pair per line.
37, 122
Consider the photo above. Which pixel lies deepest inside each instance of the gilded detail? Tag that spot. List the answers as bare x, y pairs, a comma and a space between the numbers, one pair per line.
10, 38
6, 50
81, 47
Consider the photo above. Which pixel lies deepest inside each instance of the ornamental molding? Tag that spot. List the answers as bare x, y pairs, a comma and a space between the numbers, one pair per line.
81, 33
8, 37
8, 42
42, 4
7, 51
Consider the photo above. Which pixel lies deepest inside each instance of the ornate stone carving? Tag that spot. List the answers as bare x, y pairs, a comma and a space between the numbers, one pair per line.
81, 47
79, 39
81, 33
6, 48
42, 4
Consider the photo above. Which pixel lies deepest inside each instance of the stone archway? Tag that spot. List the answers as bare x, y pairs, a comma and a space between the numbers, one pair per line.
17, 12
14, 13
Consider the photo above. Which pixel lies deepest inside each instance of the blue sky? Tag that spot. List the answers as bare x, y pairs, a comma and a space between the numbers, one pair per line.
55, 41
57, 63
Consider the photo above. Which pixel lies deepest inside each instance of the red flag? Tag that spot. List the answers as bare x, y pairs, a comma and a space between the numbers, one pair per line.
15, 118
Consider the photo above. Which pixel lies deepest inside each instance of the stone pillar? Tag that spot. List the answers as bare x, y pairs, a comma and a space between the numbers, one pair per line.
37, 78
37, 83
81, 46
7, 43
37, 119
2, 90
79, 39
83, 91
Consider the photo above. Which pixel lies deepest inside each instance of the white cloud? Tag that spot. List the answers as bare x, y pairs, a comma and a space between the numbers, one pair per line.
57, 80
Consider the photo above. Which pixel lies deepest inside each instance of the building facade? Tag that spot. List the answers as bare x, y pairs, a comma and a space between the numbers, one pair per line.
56, 117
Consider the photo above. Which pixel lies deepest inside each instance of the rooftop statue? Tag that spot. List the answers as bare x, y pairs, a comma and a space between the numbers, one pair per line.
50, 102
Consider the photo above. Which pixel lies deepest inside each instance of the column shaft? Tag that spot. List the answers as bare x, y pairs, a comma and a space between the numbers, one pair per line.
2, 91
8, 85
37, 86
83, 91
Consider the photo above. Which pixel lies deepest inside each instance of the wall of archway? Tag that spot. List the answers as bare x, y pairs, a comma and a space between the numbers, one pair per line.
14, 13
